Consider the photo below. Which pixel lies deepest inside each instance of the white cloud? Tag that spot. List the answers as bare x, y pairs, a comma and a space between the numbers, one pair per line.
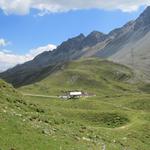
22, 7
8, 60
3, 42
36, 51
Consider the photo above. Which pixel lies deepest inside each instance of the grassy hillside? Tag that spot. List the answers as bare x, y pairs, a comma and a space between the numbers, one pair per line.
91, 75
16, 130
95, 123
18, 127
117, 118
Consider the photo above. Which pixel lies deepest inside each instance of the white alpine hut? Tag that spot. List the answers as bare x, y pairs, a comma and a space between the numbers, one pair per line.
75, 94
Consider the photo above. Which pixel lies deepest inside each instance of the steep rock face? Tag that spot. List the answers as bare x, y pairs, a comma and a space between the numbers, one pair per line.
129, 33
143, 20
93, 38
116, 39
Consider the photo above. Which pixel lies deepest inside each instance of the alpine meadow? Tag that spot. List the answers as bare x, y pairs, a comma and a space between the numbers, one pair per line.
91, 92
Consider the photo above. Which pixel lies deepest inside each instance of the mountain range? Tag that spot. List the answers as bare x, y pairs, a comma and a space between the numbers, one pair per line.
128, 45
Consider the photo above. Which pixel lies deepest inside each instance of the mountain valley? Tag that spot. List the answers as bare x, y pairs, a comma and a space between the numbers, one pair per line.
114, 68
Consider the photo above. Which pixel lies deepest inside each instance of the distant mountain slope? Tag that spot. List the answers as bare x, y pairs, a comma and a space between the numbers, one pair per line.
91, 75
128, 45
69, 50
136, 52
130, 33
137, 56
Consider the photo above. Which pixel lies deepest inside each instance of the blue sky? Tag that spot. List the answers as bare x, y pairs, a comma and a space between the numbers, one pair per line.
30, 27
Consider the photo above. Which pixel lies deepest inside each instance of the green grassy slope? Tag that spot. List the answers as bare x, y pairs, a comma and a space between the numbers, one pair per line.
92, 75
117, 118
18, 127
93, 123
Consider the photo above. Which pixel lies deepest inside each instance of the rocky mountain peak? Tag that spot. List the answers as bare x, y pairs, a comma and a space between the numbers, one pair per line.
81, 36
72, 43
146, 13
93, 38
144, 19
96, 34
